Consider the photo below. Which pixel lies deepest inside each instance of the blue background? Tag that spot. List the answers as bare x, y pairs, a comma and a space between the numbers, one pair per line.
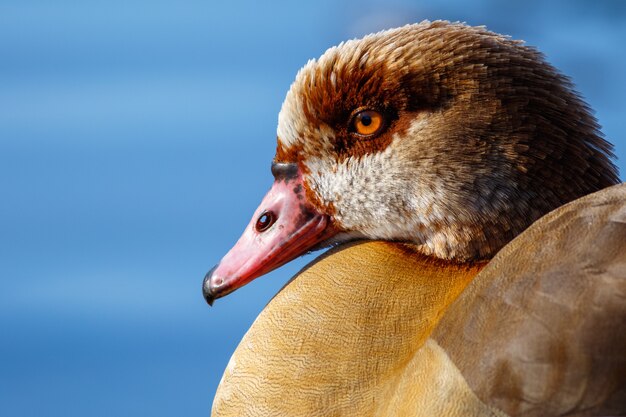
135, 142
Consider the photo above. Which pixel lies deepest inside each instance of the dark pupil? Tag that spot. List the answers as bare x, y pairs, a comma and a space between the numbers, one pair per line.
265, 220
366, 119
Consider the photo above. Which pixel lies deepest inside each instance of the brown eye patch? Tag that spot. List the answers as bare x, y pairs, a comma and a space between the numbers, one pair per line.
367, 123
366, 130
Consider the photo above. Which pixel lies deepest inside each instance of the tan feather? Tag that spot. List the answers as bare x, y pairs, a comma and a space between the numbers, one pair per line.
540, 331
481, 138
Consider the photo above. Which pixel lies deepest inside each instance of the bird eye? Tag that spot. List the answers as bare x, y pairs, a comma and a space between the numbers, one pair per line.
367, 122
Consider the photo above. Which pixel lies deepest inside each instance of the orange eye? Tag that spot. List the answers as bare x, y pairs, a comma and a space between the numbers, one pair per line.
367, 122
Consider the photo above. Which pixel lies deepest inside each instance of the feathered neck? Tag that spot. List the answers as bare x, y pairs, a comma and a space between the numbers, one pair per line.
304, 355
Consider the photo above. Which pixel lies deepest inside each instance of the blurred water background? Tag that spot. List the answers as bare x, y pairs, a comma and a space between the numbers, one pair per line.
135, 142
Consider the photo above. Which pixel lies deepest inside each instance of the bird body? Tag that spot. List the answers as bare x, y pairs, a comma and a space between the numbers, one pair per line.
542, 329
537, 332
330, 319
437, 144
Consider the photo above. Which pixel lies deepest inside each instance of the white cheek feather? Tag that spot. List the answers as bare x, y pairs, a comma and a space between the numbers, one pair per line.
381, 196
373, 195
376, 196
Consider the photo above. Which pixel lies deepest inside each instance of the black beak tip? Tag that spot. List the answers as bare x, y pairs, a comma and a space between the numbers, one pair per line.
207, 291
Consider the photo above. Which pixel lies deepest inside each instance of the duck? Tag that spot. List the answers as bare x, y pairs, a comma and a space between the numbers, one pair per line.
476, 226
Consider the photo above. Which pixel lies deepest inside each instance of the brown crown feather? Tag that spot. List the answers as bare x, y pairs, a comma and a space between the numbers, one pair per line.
513, 140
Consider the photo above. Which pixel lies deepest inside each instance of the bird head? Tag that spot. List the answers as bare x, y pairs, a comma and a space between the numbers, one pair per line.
447, 136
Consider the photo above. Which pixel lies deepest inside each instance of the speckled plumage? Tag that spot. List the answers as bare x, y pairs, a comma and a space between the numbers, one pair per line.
375, 329
483, 138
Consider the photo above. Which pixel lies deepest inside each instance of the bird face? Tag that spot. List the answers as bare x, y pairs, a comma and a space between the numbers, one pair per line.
449, 137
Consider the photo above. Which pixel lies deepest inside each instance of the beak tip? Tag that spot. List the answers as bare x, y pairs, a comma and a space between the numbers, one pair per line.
209, 300
207, 290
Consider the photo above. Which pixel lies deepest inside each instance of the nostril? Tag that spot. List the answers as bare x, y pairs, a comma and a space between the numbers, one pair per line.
265, 221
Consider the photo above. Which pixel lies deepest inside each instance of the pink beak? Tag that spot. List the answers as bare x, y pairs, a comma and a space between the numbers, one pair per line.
284, 227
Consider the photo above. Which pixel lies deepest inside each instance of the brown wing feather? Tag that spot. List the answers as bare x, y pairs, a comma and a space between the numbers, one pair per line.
542, 330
